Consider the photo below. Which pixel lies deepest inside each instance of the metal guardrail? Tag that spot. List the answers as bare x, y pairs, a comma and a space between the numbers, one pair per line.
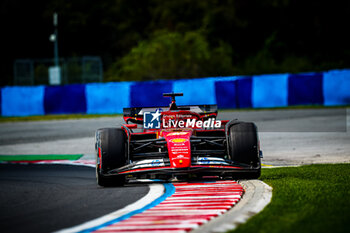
85, 69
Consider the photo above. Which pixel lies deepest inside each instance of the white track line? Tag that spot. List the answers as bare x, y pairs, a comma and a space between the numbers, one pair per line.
155, 191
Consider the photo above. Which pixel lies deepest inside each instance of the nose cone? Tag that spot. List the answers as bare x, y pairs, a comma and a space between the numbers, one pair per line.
179, 149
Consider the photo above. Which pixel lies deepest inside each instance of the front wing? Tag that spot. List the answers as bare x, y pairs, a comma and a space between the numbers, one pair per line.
207, 166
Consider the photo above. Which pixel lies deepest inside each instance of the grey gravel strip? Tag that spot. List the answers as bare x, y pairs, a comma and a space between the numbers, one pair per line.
257, 195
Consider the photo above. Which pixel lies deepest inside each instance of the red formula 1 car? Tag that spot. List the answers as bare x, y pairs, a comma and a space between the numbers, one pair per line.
176, 141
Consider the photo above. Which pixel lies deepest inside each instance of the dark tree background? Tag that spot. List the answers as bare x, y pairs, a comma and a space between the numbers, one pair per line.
159, 39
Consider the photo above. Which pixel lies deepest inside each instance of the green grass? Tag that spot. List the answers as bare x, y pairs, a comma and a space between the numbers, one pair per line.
314, 198
40, 157
55, 117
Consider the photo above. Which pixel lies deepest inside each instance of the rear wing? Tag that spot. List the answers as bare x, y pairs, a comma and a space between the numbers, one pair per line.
200, 109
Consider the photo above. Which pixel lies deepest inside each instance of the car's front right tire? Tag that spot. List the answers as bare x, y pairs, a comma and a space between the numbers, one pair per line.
110, 154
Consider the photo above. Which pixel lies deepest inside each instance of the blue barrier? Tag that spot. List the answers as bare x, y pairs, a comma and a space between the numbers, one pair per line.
225, 92
234, 93
305, 89
270, 91
22, 101
275, 90
150, 94
0, 101
336, 87
244, 93
65, 99
107, 98
196, 91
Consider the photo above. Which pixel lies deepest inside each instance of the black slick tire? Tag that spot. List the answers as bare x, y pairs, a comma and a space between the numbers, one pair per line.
243, 148
110, 154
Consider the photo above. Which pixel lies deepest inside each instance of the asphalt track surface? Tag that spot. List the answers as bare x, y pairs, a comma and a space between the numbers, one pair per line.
293, 120
44, 198
47, 198
288, 136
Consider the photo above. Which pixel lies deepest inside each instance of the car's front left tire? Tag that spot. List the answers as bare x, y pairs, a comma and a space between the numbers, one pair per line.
243, 148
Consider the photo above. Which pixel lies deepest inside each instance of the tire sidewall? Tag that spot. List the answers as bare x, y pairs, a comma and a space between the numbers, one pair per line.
111, 153
242, 141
